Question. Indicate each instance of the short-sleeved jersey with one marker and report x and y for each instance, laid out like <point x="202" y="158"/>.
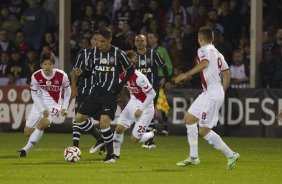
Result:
<point x="85" y="83"/>
<point x="49" y="88"/>
<point x="107" y="66"/>
<point x="138" y="85"/>
<point x="148" y="64"/>
<point x="211" y="76"/>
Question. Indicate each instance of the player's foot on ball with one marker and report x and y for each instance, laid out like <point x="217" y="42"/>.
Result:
<point x="22" y="153"/>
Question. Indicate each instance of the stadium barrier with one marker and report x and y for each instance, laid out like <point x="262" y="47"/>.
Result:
<point x="246" y="112"/>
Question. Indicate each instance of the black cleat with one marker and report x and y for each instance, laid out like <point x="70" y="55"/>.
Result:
<point x="97" y="146"/>
<point x="102" y="150"/>
<point x="110" y="159"/>
<point x="22" y="153"/>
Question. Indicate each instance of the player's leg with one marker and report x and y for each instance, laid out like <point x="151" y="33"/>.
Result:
<point x="208" y="120"/>
<point x="118" y="138"/>
<point x="150" y="144"/>
<point x="138" y="132"/>
<point x="35" y="136"/>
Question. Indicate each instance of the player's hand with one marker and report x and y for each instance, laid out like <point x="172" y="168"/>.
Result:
<point x="138" y="113"/>
<point x="77" y="71"/>
<point x="45" y="113"/>
<point x="279" y="116"/>
<point x="167" y="85"/>
<point x="64" y="112"/>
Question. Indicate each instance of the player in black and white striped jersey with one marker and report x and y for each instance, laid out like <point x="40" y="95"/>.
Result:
<point x="148" y="62"/>
<point x="82" y="81"/>
<point x="106" y="62"/>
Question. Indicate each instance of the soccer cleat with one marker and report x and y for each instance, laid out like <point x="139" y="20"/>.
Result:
<point x="149" y="145"/>
<point x="116" y="156"/>
<point x="110" y="159"/>
<point x="102" y="150"/>
<point x="232" y="161"/>
<point x="97" y="146"/>
<point x="22" y="153"/>
<point x="189" y="161"/>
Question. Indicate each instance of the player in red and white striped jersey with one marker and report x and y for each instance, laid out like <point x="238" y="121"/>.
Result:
<point x="46" y="87"/>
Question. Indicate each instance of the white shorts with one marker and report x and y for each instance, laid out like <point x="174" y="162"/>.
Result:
<point x="127" y="118"/>
<point x="206" y="109"/>
<point x="35" y="115"/>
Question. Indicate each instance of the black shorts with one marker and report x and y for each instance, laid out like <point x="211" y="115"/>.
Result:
<point x="99" y="103"/>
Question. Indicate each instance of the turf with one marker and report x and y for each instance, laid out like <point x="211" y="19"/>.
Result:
<point x="260" y="162"/>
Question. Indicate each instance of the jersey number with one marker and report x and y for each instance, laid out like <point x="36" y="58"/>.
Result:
<point x="54" y="112"/>
<point x="219" y="65"/>
<point x="141" y="129"/>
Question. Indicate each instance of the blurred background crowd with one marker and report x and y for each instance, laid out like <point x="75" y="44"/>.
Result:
<point x="29" y="28"/>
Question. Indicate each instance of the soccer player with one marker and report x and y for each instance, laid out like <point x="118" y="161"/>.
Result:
<point x="147" y="63"/>
<point x="46" y="88"/>
<point x="139" y="109"/>
<point x="162" y="104"/>
<point x="85" y="80"/>
<point x="205" y="109"/>
<point x="106" y="62"/>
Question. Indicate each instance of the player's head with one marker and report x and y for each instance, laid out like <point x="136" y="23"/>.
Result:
<point x="94" y="39"/>
<point x="47" y="62"/>
<point x="132" y="56"/>
<point x="140" y="42"/>
<point x="205" y="36"/>
<point x="104" y="38"/>
<point x="152" y="39"/>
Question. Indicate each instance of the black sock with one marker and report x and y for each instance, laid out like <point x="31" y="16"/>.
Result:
<point x="76" y="131"/>
<point x="164" y="121"/>
<point x="108" y="139"/>
<point x="89" y="127"/>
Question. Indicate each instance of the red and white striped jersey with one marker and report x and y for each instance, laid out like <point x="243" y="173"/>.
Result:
<point x="211" y="76"/>
<point x="49" y="89"/>
<point x="138" y="86"/>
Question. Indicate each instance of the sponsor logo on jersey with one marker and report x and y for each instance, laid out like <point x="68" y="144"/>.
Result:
<point x="56" y="82"/>
<point x="144" y="70"/>
<point x="105" y="68"/>
<point x="48" y="83"/>
<point x="143" y="62"/>
<point x="103" y="61"/>
<point x="112" y="60"/>
<point x="50" y="88"/>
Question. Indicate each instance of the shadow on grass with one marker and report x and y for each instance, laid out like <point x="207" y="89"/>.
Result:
<point x="8" y="156"/>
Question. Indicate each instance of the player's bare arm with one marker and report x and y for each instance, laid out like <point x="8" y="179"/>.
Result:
<point x="74" y="78"/>
<point x="64" y="112"/>
<point x="225" y="79"/>
<point x="188" y="75"/>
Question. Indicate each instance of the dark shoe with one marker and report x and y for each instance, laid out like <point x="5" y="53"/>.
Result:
<point x="22" y="153"/>
<point x="150" y="144"/>
<point x="110" y="159"/>
<point x="102" y="150"/>
<point x="97" y="146"/>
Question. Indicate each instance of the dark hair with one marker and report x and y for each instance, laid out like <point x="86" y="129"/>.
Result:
<point x="207" y="33"/>
<point x="105" y="32"/>
<point x="48" y="56"/>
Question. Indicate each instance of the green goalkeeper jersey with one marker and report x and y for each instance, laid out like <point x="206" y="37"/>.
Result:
<point x="164" y="55"/>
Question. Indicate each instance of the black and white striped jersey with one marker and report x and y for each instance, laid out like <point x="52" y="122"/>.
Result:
<point x="85" y="81"/>
<point x="107" y="66"/>
<point x="148" y="64"/>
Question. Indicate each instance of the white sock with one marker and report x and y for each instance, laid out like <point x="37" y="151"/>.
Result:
<point x="217" y="142"/>
<point x="33" y="139"/>
<point x="146" y="136"/>
<point x="192" y="136"/>
<point x="118" y="140"/>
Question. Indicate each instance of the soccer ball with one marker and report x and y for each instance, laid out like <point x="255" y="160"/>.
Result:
<point x="72" y="154"/>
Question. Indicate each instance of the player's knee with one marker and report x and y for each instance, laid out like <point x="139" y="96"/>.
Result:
<point x="79" y="118"/>
<point x="203" y="131"/>
<point x="189" y="118"/>
<point x="105" y="121"/>
<point x="43" y="123"/>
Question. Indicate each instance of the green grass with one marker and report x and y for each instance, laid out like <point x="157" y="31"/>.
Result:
<point x="260" y="162"/>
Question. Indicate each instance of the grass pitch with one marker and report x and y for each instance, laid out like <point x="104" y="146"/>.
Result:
<point x="260" y="162"/>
